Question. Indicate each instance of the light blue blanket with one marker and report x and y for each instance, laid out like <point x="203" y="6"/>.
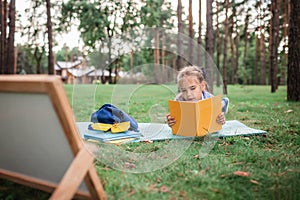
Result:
<point x="151" y="131"/>
<point x="155" y="131"/>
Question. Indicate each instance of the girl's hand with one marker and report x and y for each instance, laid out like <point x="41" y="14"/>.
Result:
<point x="171" y="121"/>
<point x="221" y="119"/>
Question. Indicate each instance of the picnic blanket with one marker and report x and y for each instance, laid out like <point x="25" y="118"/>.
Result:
<point x="163" y="131"/>
<point x="157" y="131"/>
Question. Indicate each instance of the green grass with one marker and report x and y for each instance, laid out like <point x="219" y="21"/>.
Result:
<point x="272" y="160"/>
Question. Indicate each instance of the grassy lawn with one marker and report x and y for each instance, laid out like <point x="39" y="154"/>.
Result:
<point x="271" y="161"/>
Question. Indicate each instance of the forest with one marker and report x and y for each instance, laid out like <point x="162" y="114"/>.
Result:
<point x="239" y="42"/>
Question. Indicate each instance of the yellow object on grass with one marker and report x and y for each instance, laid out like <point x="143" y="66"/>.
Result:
<point x="114" y="128"/>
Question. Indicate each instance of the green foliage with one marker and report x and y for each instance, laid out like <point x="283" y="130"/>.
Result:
<point x="26" y="61"/>
<point x="98" y="60"/>
<point x="98" y="20"/>
<point x="92" y="18"/>
<point x="157" y="14"/>
<point x="72" y="55"/>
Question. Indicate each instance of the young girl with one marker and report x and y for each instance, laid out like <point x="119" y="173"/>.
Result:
<point x="192" y="87"/>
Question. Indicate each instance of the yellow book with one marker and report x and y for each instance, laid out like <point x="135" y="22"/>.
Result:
<point x="196" y="118"/>
<point x="114" y="128"/>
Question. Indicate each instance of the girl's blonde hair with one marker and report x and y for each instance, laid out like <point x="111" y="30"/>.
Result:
<point x="190" y="71"/>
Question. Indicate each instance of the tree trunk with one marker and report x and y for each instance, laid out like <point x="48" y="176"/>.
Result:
<point x="199" y="57"/>
<point x="209" y="45"/>
<point x="293" y="80"/>
<point x="50" y="40"/>
<point x="237" y="54"/>
<point x="3" y="64"/>
<point x="232" y="54"/>
<point x="131" y="64"/>
<point x="225" y="48"/>
<point x="256" y="66"/>
<point x="38" y="57"/>
<point x="156" y="56"/>
<point x="285" y="40"/>
<point x="11" y="67"/>
<point x="163" y="61"/>
<point x="218" y="46"/>
<point x="191" y="33"/>
<point x="262" y="60"/>
<point x="1" y="39"/>
<point x="246" y="39"/>
<point x="110" y="81"/>
<point x="274" y="46"/>
<point x="179" y="61"/>
<point x="270" y="46"/>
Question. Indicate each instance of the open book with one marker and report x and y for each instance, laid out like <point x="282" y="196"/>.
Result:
<point x="196" y="118"/>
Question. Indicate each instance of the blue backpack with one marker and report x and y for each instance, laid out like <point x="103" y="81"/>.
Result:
<point x="110" y="114"/>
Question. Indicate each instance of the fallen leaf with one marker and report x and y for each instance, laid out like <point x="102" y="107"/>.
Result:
<point x="151" y="187"/>
<point x="182" y="193"/>
<point x="131" y="193"/>
<point x="158" y="180"/>
<point x="254" y="181"/>
<point x="225" y="144"/>
<point x="223" y="175"/>
<point x="215" y="190"/>
<point x="241" y="173"/>
<point x="164" y="189"/>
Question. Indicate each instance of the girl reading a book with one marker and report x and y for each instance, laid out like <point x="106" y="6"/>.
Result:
<point x="193" y="87"/>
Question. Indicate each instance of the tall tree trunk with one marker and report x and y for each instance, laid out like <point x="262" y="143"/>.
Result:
<point x="237" y="53"/>
<point x="109" y="58"/>
<point x="38" y="58"/>
<point x="131" y="64"/>
<point x="225" y="47"/>
<point x="164" y="77"/>
<point x="218" y="46"/>
<point x="156" y="55"/>
<point x="162" y="48"/>
<point x="179" y="61"/>
<point x="50" y="40"/>
<point x="232" y="55"/>
<point x="257" y="43"/>
<point x="191" y="33"/>
<point x="270" y="45"/>
<point x="199" y="57"/>
<point x="246" y="39"/>
<point x="262" y="74"/>
<point x="209" y="45"/>
<point x="262" y="60"/>
<point x="11" y="66"/>
<point x="274" y="46"/>
<point x="285" y="40"/>
<point x="257" y="64"/>
<point x="293" y="80"/>
<point x="3" y="37"/>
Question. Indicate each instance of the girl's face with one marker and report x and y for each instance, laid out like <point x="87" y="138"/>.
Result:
<point x="191" y="89"/>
